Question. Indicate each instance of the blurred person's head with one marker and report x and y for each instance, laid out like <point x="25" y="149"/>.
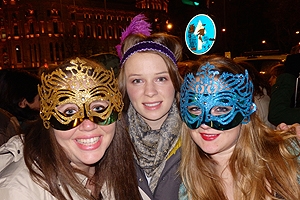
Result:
<point x="275" y="72"/>
<point x="295" y="49"/>
<point x="18" y="94"/>
<point x="258" y="81"/>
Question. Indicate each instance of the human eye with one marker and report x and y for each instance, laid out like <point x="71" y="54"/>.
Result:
<point x="68" y="109"/>
<point x="220" y="110"/>
<point x="99" y="106"/>
<point x="136" y="81"/>
<point x="195" y="110"/>
<point x="161" y="79"/>
<point x="70" y="112"/>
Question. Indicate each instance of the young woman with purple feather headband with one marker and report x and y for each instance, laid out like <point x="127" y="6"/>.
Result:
<point x="150" y="83"/>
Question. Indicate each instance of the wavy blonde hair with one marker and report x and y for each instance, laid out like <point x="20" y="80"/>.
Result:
<point x="263" y="163"/>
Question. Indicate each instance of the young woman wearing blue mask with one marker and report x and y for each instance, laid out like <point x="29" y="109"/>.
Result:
<point x="225" y="147"/>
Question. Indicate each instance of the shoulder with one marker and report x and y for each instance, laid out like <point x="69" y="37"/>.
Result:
<point x="11" y="151"/>
<point x="16" y="182"/>
<point x="15" y="179"/>
<point x="9" y="126"/>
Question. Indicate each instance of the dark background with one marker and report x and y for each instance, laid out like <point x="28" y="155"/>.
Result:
<point x="247" y="23"/>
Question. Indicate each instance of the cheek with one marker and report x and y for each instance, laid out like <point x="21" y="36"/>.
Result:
<point x="133" y="92"/>
<point x="109" y="129"/>
<point x="63" y="135"/>
<point x="195" y="135"/>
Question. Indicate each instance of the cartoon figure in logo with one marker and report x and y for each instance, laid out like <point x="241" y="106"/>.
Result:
<point x="200" y="32"/>
<point x="192" y="37"/>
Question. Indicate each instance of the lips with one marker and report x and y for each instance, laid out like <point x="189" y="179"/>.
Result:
<point x="152" y="106"/>
<point x="88" y="144"/>
<point x="89" y="141"/>
<point x="209" y="137"/>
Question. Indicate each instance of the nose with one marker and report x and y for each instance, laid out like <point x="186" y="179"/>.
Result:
<point x="150" y="89"/>
<point x="204" y="126"/>
<point x="87" y="125"/>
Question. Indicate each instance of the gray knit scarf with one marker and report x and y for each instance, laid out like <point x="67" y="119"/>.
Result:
<point x="153" y="146"/>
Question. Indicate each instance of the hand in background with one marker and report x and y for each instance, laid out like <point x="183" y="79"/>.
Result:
<point x="284" y="127"/>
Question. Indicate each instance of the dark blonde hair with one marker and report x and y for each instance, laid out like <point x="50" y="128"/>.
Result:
<point x="263" y="163"/>
<point x="171" y="42"/>
<point x="115" y="170"/>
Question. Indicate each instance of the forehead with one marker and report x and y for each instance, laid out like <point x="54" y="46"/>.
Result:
<point x="144" y="60"/>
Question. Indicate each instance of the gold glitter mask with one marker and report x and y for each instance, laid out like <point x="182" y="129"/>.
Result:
<point x="83" y="86"/>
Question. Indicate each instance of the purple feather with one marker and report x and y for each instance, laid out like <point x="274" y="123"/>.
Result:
<point x="137" y="25"/>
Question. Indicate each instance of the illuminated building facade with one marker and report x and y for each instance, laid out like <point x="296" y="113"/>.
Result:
<point x="34" y="33"/>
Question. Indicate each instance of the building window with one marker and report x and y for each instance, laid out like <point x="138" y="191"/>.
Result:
<point x="35" y="53"/>
<point x="18" y="54"/>
<point x="110" y="32"/>
<point x="88" y="30"/>
<point x="31" y="28"/>
<point x="16" y="30"/>
<point x="3" y="34"/>
<point x="73" y="16"/>
<point x="63" y="51"/>
<point x="120" y="30"/>
<point x="74" y="32"/>
<point x="14" y="16"/>
<point x="1" y="22"/>
<point x="51" y="52"/>
<point x="57" y="51"/>
<point x="99" y="31"/>
<point x="30" y="54"/>
<point x="55" y="28"/>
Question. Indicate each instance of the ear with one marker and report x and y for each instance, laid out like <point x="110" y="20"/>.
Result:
<point x="23" y="103"/>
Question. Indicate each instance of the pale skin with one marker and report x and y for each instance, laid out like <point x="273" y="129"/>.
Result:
<point x="86" y="143"/>
<point x="149" y="87"/>
<point x="285" y="127"/>
<point x="219" y="144"/>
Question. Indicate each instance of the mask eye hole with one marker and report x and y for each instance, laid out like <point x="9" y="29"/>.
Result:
<point x="68" y="109"/>
<point x="99" y="106"/>
<point x="220" y="110"/>
<point x="195" y="110"/>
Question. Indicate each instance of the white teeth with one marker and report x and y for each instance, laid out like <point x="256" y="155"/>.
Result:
<point x="89" y="141"/>
<point x="152" y="104"/>
<point x="209" y="135"/>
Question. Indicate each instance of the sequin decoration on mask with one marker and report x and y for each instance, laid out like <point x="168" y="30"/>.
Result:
<point x="221" y="101"/>
<point x="81" y="85"/>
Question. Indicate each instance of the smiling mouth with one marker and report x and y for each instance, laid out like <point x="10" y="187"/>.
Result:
<point x="89" y="141"/>
<point x="152" y="104"/>
<point x="209" y="137"/>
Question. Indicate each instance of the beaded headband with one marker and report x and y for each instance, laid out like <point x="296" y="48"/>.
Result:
<point x="148" y="46"/>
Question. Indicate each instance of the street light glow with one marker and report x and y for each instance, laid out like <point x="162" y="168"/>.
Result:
<point x="169" y="26"/>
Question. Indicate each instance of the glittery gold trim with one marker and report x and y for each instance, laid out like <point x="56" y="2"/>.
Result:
<point x="78" y="84"/>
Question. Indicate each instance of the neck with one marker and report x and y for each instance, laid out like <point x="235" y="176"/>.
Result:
<point x="224" y="172"/>
<point x="90" y="170"/>
<point x="156" y="124"/>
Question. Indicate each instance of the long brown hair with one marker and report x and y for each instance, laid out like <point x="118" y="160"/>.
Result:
<point x="263" y="163"/>
<point x="50" y="167"/>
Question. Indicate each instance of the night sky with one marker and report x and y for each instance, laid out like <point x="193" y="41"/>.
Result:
<point x="247" y="23"/>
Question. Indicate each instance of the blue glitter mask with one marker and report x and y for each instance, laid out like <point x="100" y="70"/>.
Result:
<point x="219" y="101"/>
